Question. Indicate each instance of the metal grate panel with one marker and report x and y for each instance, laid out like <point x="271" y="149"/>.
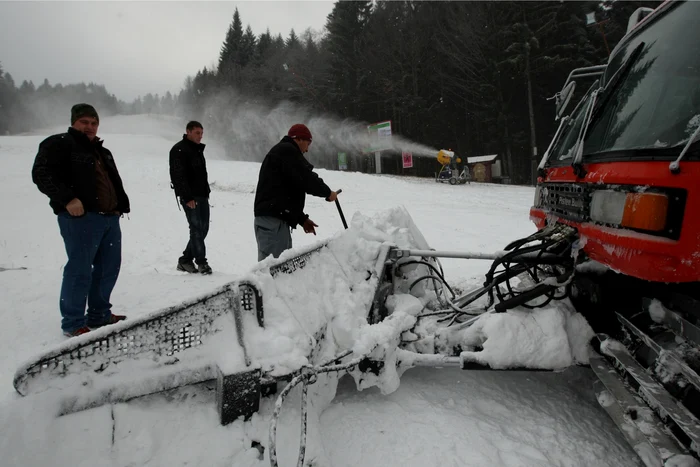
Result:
<point x="292" y="264"/>
<point x="164" y="334"/>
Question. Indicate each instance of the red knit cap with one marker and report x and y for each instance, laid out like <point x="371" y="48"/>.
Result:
<point x="299" y="131"/>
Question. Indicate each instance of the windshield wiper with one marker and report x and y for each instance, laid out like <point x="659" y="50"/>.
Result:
<point x="579" y="171"/>
<point x="552" y="144"/>
<point x="675" y="166"/>
<point x="614" y="83"/>
<point x="594" y="108"/>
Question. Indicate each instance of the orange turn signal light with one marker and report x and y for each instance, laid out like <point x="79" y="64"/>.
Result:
<point x="645" y="211"/>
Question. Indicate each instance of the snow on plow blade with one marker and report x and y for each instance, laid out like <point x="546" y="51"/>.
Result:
<point x="374" y="294"/>
<point x="152" y="353"/>
<point x="174" y="347"/>
<point x="227" y="335"/>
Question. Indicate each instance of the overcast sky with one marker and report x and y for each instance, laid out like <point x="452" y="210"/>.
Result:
<point x="134" y="47"/>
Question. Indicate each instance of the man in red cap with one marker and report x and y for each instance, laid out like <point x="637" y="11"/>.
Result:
<point x="284" y="180"/>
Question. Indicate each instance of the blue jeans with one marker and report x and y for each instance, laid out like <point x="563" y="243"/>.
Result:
<point x="198" y="220"/>
<point x="94" y="248"/>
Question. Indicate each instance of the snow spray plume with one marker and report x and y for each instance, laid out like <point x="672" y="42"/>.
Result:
<point x="48" y="109"/>
<point x="249" y="129"/>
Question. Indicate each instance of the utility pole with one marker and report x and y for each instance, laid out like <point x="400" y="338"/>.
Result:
<point x="531" y="109"/>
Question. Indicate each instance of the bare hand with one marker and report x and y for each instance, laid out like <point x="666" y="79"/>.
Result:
<point x="75" y="207"/>
<point x="191" y="204"/>
<point x="309" y="226"/>
<point x="332" y="197"/>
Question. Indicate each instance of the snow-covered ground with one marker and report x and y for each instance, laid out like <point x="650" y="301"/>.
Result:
<point x="435" y="417"/>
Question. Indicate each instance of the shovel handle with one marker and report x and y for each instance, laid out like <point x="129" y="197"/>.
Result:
<point x="340" y="211"/>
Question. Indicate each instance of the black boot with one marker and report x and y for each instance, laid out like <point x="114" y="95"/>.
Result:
<point x="186" y="266"/>
<point x="204" y="268"/>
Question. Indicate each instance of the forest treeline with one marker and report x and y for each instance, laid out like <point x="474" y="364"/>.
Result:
<point x="477" y="77"/>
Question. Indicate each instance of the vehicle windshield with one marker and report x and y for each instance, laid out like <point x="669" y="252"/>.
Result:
<point x="655" y="103"/>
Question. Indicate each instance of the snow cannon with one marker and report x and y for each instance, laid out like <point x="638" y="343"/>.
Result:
<point x="449" y="171"/>
<point x="445" y="156"/>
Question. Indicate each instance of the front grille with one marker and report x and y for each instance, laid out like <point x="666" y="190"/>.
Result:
<point x="567" y="200"/>
<point x="572" y="201"/>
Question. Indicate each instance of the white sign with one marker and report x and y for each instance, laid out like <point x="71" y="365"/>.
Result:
<point x="590" y="18"/>
<point x="380" y="136"/>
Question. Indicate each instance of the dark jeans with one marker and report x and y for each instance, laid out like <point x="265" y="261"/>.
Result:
<point x="94" y="248"/>
<point x="198" y="219"/>
<point x="273" y="236"/>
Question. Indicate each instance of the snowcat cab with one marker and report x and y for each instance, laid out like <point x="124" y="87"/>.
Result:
<point x="623" y="170"/>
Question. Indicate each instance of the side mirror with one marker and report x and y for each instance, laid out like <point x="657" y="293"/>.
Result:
<point x="563" y="98"/>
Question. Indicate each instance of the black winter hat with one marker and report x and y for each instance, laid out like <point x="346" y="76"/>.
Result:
<point x="82" y="110"/>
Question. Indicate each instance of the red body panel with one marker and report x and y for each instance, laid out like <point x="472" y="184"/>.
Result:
<point x="639" y="255"/>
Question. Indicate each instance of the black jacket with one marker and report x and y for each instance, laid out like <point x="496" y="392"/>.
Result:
<point x="64" y="168"/>
<point x="188" y="170"/>
<point x="285" y="179"/>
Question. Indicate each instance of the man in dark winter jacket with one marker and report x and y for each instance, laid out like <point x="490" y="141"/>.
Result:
<point x="188" y="173"/>
<point x="285" y="179"/>
<point x="79" y="176"/>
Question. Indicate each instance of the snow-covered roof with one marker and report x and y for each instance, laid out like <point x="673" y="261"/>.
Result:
<point x="477" y="159"/>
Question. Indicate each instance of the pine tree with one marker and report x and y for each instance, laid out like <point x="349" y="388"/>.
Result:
<point x="10" y="82"/>
<point x="248" y="47"/>
<point x="167" y="104"/>
<point x="264" y="46"/>
<point x="292" y="43"/>
<point x="346" y="26"/>
<point x="230" y="57"/>
<point x="27" y="88"/>
<point x="278" y="43"/>
<point x="5" y="99"/>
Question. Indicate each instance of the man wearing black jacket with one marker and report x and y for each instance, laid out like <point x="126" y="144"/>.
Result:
<point x="79" y="176"/>
<point x="285" y="179"/>
<point x="188" y="174"/>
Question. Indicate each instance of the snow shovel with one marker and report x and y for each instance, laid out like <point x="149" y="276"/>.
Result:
<point x="340" y="211"/>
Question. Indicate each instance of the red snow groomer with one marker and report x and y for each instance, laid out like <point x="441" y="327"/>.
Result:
<point x="623" y="170"/>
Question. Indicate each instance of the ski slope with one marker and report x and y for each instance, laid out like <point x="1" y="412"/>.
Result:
<point x="436" y="417"/>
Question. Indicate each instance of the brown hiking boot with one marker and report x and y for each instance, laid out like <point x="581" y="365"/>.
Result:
<point x="112" y="320"/>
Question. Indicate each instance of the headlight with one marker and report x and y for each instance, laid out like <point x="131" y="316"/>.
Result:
<point x="537" y="202"/>
<point x="643" y="211"/>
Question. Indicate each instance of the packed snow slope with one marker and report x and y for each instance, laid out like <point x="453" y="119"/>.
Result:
<point x="434" y="418"/>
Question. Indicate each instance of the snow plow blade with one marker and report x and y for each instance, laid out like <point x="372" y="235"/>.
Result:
<point x="358" y="279"/>
<point x="174" y="347"/>
<point x="150" y="354"/>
